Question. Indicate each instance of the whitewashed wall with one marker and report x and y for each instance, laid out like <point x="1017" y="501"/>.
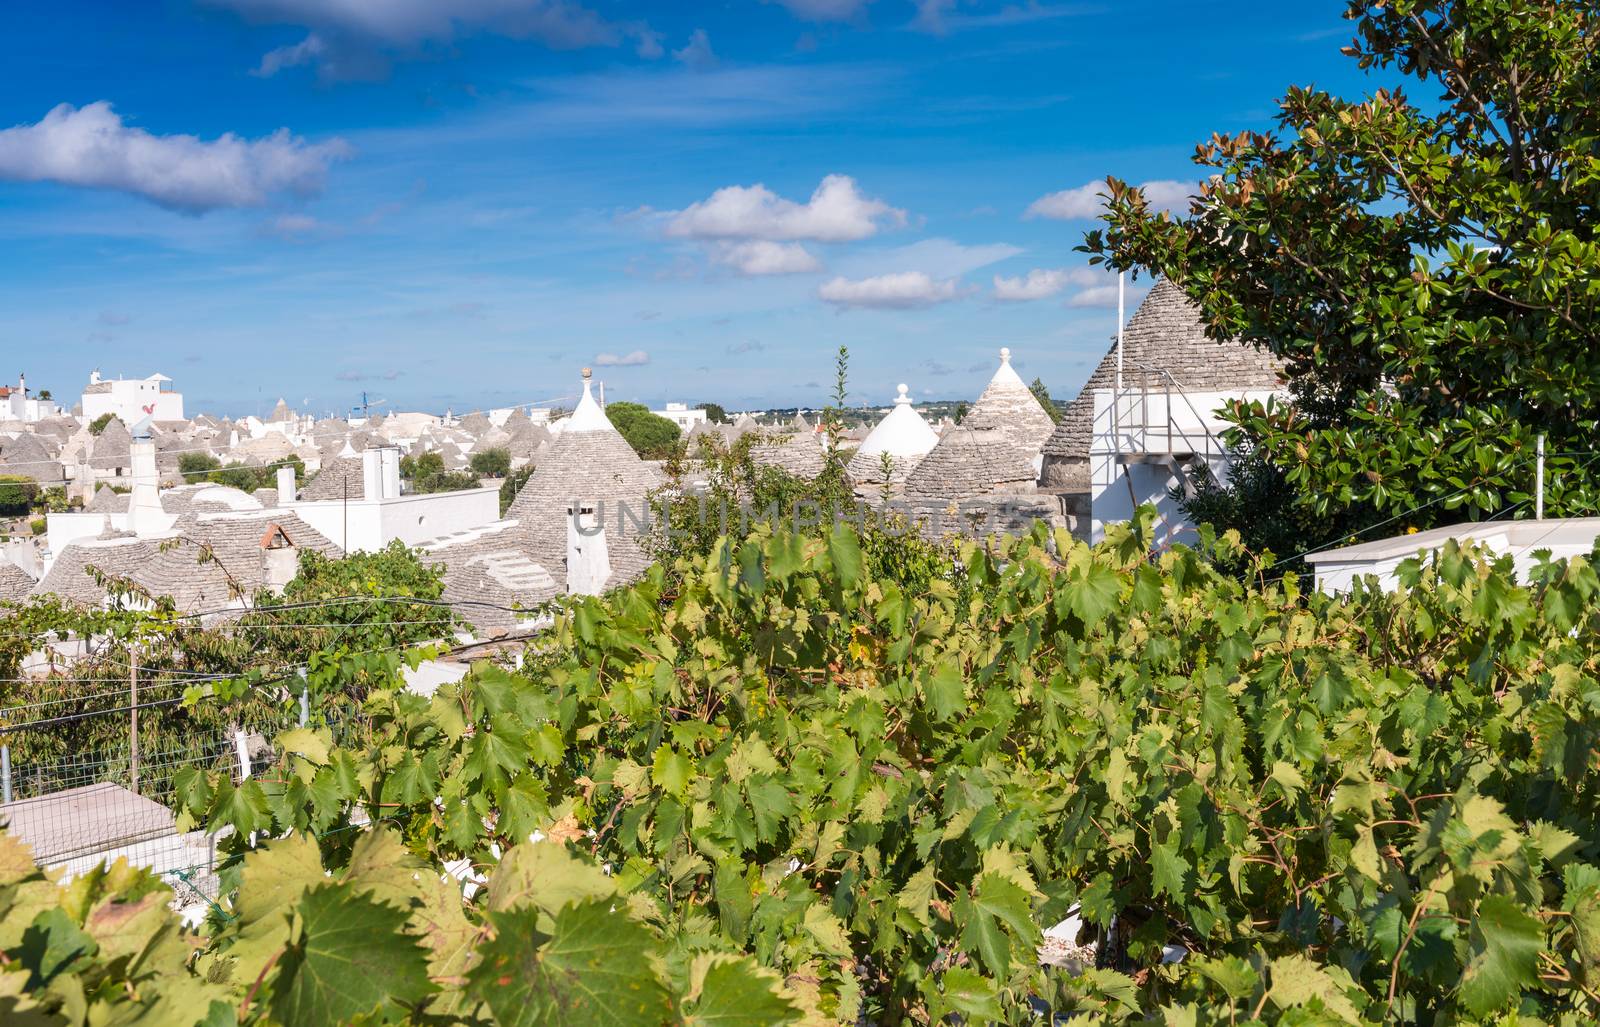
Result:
<point x="1116" y="489"/>
<point x="363" y="525"/>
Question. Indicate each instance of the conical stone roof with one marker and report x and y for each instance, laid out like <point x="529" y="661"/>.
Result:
<point x="60" y="427"/>
<point x="972" y="461"/>
<point x="800" y="455"/>
<point x="1166" y="332"/>
<point x="29" y="456"/>
<point x="15" y="584"/>
<point x="340" y="478"/>
<point x="526" y="440"/>
<point x="105" y="500"/>
<point x="1008" y="404"/>
<point x="111" y="448"/>
<point x="588" y="461"/>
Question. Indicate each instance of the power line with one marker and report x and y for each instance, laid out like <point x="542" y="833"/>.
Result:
<point x="89" y="697"/>
<point x="69" y="718"/>
<point x="330" y="602"/>
<point x="1348" y="539"/>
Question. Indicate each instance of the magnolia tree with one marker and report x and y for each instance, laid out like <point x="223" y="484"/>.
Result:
<point x="1426" y="267"/>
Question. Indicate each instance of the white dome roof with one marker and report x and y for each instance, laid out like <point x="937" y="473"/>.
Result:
<point x="901" y="433"/>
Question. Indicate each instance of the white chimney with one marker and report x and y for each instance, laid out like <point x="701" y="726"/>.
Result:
<point x="371" y="474"/>
<point x="588" y="559"/>
<point x="389" y="461"/>
<point x="285" y="485"/>
<point x="280" y="560"/>
<point x="145" y="516"/>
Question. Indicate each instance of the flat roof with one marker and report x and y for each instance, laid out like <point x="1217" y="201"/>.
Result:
<point x="1551" y="533"/>
<point x="83" y="821"/>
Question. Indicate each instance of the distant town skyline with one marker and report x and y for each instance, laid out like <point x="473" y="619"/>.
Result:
<point x="457" y="204"/>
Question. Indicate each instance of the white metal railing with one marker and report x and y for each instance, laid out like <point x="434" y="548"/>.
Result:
<point x="1146" y="421"/>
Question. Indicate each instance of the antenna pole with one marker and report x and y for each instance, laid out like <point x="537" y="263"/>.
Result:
<point x="133" y="717"/>
<point x="1538" y="489"/>
<point x="1122" y="294"/>
<point x="1116" y="395"/>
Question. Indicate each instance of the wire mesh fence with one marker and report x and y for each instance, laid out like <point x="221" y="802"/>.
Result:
<point x="77" y="812"/>
<point x="118" y="799"/>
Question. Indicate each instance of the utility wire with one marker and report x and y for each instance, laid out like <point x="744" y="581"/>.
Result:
<point x="68" y="718"/>
<point x="1348" y="540"/>
<point x="332" y="601"/>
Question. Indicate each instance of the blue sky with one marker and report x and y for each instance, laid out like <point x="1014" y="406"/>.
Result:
<point x="460" y="202"/>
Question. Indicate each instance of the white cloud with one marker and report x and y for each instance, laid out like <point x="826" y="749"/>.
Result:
<point x="900" y="291"/>
<point x="290" y="225"/>
<point x="557" y="22"/>
<point x="824" y="10"/>
<point x="1087" y="201"/>
<point x="938" y="257"/>
<point x="836" y="212"/>
<point x="697" y="52"/>
<point x="930" y="15"/>
<point x="1104" y="297"/>
<point x="942" y="16"/>
<point x="344" y="34"/>
<point x="1041" y="283"/>
<point x="765" y="257"/>
<point x="634" y="359"/>
<point x="1165" y="194"/>
<point x="306" y="51"/>
<point x="92" y="148"/>
<point x="648" y="44"/>
<point x="1038" y="284"/>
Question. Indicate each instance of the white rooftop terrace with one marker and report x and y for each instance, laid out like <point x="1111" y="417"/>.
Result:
<point x="1562" y="537"/>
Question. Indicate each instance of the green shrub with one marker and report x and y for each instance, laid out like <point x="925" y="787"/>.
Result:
<point x="512" y="485"/>
<point x="17" y="494"/>
<point x="491" y="463"/>
<point x="195" y="465"/>
<point x="652" y="437"/>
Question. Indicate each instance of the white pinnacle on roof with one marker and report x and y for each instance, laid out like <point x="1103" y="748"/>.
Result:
<point x="903" y="436"/>
<point x="588" y="416"/>
<point x="902" y="432"/>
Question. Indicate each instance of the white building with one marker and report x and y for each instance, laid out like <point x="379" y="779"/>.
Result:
<point x="1562" y="538"/>
<point x="680" y="415"/>
<point x="368" y="513"/>
<point x="1146" y="443"/>
<point x="132" y="399"/>
<point x="17" y="405"/>
<point x="368" y="510"/>
<point x="1146" y="422"/>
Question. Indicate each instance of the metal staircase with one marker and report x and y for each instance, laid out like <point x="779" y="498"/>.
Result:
<point x="1148" y="429"/>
